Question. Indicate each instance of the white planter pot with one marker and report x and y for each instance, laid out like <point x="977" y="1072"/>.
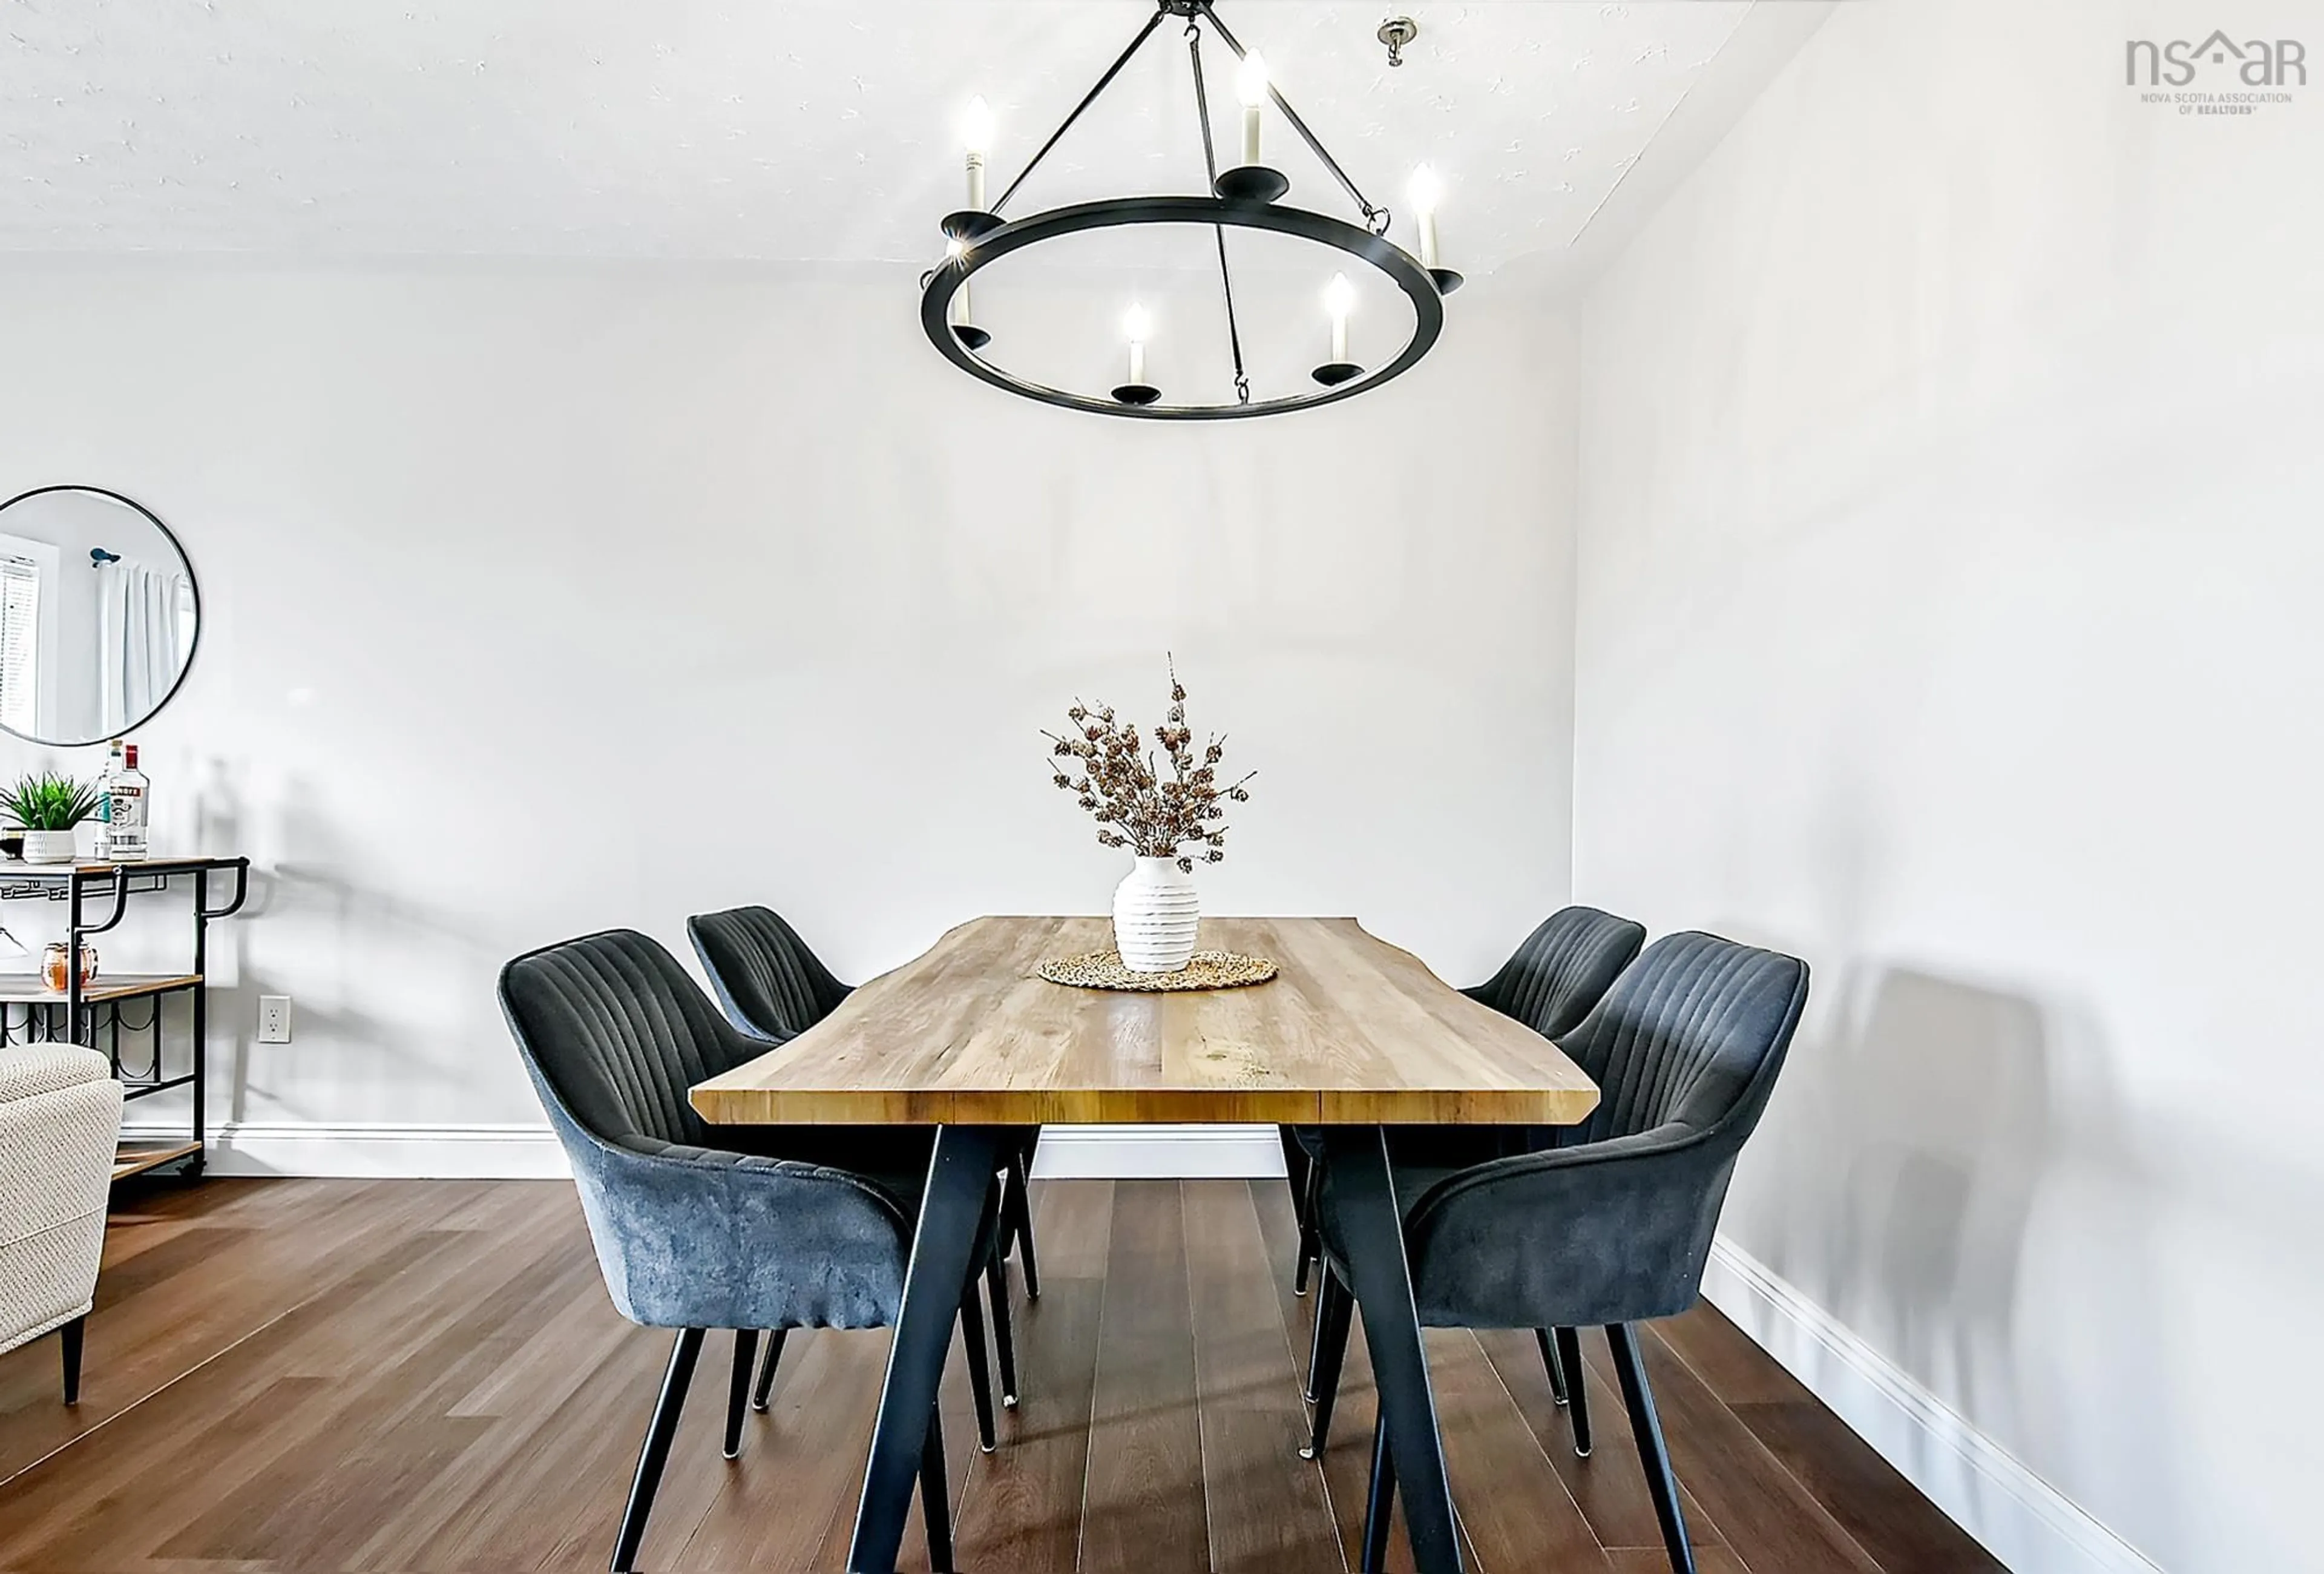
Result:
<point x="49" y="847"/>
<point x="1155" y="915"/>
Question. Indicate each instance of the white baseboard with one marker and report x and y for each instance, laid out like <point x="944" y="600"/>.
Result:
<point x="2021" y="1519"/>
<point x="417" y="1153"/>
<point x="529" y="1152"/>
<point x="1157" y="1153"/>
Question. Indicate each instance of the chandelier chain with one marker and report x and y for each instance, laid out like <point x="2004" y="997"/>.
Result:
<point x="1218" y="231"/>
<point x="1088" y="99"/>
<point x="1375" y="216"/>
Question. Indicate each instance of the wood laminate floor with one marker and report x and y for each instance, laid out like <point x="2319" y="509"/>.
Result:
<point x="404" y="1376"/>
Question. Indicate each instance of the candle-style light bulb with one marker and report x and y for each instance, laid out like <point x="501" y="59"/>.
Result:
<point x="976" y="136"/>
<point x="1425" y="192"/>
<point x="961" y="311"/>
<point x="1339" y="300"/>
<point x="1135" y="326"/>
<point x="1250" y="86"/>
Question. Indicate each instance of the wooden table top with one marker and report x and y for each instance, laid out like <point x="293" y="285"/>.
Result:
<point x="1352" y="1030"/>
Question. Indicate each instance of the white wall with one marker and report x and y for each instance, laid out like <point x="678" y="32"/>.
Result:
<point x="537" y="600"/>
<point x="1950" y="484"/>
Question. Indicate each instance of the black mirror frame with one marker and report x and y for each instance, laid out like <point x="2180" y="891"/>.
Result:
<point x="192" y="578"/>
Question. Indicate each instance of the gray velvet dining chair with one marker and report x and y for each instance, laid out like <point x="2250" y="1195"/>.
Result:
<point x="773" y="987"/>
<point x="691" y="1233"/>
<point x="1549" y="983"/>
<point x="1612" y="1225"/>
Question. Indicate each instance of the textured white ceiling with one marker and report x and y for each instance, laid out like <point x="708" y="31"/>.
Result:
<point x="789" y="129"/>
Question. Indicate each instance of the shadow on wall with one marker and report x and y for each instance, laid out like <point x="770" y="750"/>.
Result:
<point x="1920" y="1157"/>
<point x="306" y="887"/>
<point x="1948" y="1089"/>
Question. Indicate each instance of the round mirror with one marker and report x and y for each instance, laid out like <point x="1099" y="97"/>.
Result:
<point x="99" y="615"/>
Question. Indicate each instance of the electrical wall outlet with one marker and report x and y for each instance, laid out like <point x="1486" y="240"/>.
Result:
<point x="274" y="1019"/>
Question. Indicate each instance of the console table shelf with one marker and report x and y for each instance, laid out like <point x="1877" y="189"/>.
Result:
<point x="137" y="1158"/>
<point x="96" y="897"/>
<point x="107" y="986"/>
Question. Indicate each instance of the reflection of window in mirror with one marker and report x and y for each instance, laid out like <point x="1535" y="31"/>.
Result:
<point x="25" y="645"/>
<point x="20" y="651"/>
<point x="185" y="623"/>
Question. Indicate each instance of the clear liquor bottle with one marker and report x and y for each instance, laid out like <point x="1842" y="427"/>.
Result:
<point x="113" y="767"/>
<point x="125" y="804"/>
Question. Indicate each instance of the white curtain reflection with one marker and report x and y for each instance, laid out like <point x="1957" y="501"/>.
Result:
<point x="142" y="632"/>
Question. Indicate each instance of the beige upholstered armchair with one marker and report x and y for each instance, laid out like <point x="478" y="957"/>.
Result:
<point x="60" y="1116"/>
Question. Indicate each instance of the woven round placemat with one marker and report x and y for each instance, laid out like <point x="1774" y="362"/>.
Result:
<point x="1205" y="971"/>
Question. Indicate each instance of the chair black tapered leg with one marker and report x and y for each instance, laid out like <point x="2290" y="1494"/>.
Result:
<point x="1577" y="1409"/>
<point x="1552" y="1364"/>
<point x="1019" y="1218"/>
<point x="940" y="1271"/>
<point x="766" y="1369"/>
<point x="980" y="1372"/>
<point x="656" y="1453"/>
<point x="1295" y="1172"/>
<point x="1318" y="1334"/>
<point x="1379" y="1503"/>
<point x="1335" y="1308"/>
<point x="1004" y="1333"/>
<point x="70" y="1337"/>
<point x="738" y="1388"/>
<point x="1311" y="1239"/>
<point x="935" y="1496"/>
<point x="1662" y="1485"/>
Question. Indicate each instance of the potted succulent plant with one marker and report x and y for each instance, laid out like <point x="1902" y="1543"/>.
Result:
<point x="48" y="807"/>
<point x="1168" y="811"/>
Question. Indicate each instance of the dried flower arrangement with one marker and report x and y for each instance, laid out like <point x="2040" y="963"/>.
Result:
<point x="1136" y="802"/>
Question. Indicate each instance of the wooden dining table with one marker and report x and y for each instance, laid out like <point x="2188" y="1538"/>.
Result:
<point x="1354" y="1035"/>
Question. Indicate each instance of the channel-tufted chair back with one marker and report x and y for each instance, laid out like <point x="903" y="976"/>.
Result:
<point x="615" y="1029"/>
<point x="1614" y="1222"/>
<point x="1563" y="969"/>
<point x="1690" y="1037"/>
<point x="767" y="979"/>
<point x="690" y="1230"/>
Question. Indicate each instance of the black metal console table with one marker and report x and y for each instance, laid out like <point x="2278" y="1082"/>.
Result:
<point x="78" y="1011"/>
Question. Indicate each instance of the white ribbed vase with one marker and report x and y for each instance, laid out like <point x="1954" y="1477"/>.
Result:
<point x="1155" y="915"/>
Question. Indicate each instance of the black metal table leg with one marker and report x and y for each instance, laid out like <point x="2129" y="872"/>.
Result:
<point x="1378" y="1502"/>
<point x="1372" y="1227"/>
<point x="959" y="1179"/>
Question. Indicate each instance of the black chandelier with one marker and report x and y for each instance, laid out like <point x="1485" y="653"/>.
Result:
<point x="1244" y="197"/>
